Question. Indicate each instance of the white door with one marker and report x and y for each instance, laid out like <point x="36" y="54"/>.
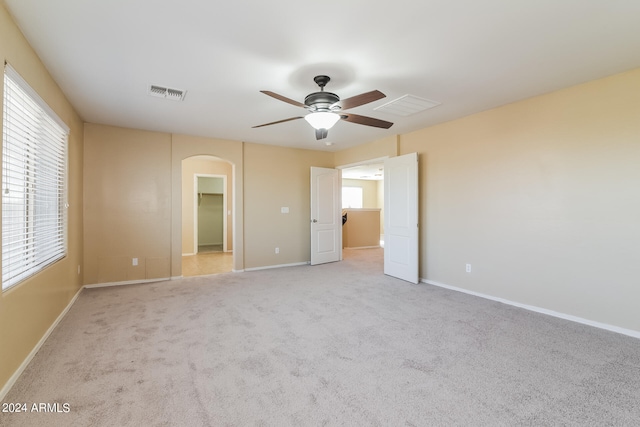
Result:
<point x="401" y="217"/>
<point x="326" y="218"/>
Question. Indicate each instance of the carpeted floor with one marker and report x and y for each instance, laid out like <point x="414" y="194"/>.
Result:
<point x="336" y="344"/>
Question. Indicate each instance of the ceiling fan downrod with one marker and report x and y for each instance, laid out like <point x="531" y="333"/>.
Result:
<point x="321" y="101"/>
<point x="321" y="81"/>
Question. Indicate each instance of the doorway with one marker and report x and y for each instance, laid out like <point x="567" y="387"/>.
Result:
<point x="363" y="206"/>
<point x="207" y="220"/>
<point x="400" y="227"/>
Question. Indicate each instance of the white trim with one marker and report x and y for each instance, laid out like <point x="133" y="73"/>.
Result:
<point x="268" y="267"/>
<point x="188" y="254"/>
<point x="12" y="380"/>
<point x="363" y="247"/>
<point x="237" y="271"/>
<point x="128" y="282"/>
<point x="363" y="162"/>
<point x="612" y="328"/>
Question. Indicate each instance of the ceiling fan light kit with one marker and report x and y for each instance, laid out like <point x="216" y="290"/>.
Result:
<point x="322" y="119"/>
<point x="323" y="107"/>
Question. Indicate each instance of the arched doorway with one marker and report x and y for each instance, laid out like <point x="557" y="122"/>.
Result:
<point x="207" y="215"/>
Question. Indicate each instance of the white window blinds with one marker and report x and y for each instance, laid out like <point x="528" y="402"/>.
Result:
<point x="34" y="169"/>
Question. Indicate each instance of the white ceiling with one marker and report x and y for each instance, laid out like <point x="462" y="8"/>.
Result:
<point x="469" y="55"/>
<point x="368" y="172"/>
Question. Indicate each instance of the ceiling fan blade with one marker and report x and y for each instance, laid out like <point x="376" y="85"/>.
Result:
<point x="364" y="120"/>
<point x="283" y="98"/>
<point x="322" y="133"/>
<point x="358" y="100"/>
<point x="279" y="121"/>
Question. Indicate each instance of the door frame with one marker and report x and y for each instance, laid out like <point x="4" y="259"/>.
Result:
<point x="366" y="162"/>
<point x="381" y="160"/>
<point x="195" y="209"/>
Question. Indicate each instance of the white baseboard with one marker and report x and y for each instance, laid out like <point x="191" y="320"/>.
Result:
<point x="363" y="247"/>
<point x="193" y="253"/>
<point x="128" y="282"/>
<point x="267" y="267"/>
<point x="5" y="389"/>
<point x="629" y="332"/>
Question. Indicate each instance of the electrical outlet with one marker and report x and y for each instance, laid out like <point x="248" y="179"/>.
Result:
<point x="468" y="268"/>
<point x="277" y="250"/>
<point x="284" y="209"/>
<point x="134" y="261"/>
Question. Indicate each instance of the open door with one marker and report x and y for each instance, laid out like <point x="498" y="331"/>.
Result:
<point x="326" y="219"/>
<point x="401" y="217"/>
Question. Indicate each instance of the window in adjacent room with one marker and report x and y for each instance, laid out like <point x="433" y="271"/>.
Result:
<point x="34" y="180"/>
<point x="351" y="197"/>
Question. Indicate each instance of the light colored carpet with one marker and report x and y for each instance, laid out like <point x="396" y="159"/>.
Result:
<point x="336" y="344"/>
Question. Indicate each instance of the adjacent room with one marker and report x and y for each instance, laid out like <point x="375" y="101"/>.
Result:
<point x="207" y="222"/>
<point x="175" y="178"/>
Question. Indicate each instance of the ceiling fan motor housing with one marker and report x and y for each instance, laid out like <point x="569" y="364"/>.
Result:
<point x="321" y="101"/>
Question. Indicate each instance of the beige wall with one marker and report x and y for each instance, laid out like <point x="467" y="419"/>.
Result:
<point x="278" y="177"/>
<point x="372" y="198"/>
<point x="133" y="201"/>
<point x="127" y="209"/>
<point x="362" y="229"/>
<point x="386" y="147"/>
<point x="266" y="178"/>
<point x="541" y="197"/>
<point x="184" y="147"/>
<point x="30" y="308"/>
<point x="208" y="166"/>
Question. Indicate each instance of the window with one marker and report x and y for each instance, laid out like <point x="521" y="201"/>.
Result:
<point x="351" y="197"/>
<point x="34" y="169"/>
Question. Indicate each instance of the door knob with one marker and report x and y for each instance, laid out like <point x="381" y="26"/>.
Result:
<point x="314" y="220"/>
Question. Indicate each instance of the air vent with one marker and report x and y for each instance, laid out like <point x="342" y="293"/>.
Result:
<point x="407" y="105"/>
<point x="167" y="93"/>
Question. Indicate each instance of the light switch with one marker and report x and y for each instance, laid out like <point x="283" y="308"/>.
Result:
<point x="284" y="209"/>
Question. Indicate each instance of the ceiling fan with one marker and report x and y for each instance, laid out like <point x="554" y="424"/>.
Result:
<point x="325" y="108"/>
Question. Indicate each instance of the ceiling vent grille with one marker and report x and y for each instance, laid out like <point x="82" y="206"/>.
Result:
<point x="166" y="93"/>
<point x="407" y="105"/>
